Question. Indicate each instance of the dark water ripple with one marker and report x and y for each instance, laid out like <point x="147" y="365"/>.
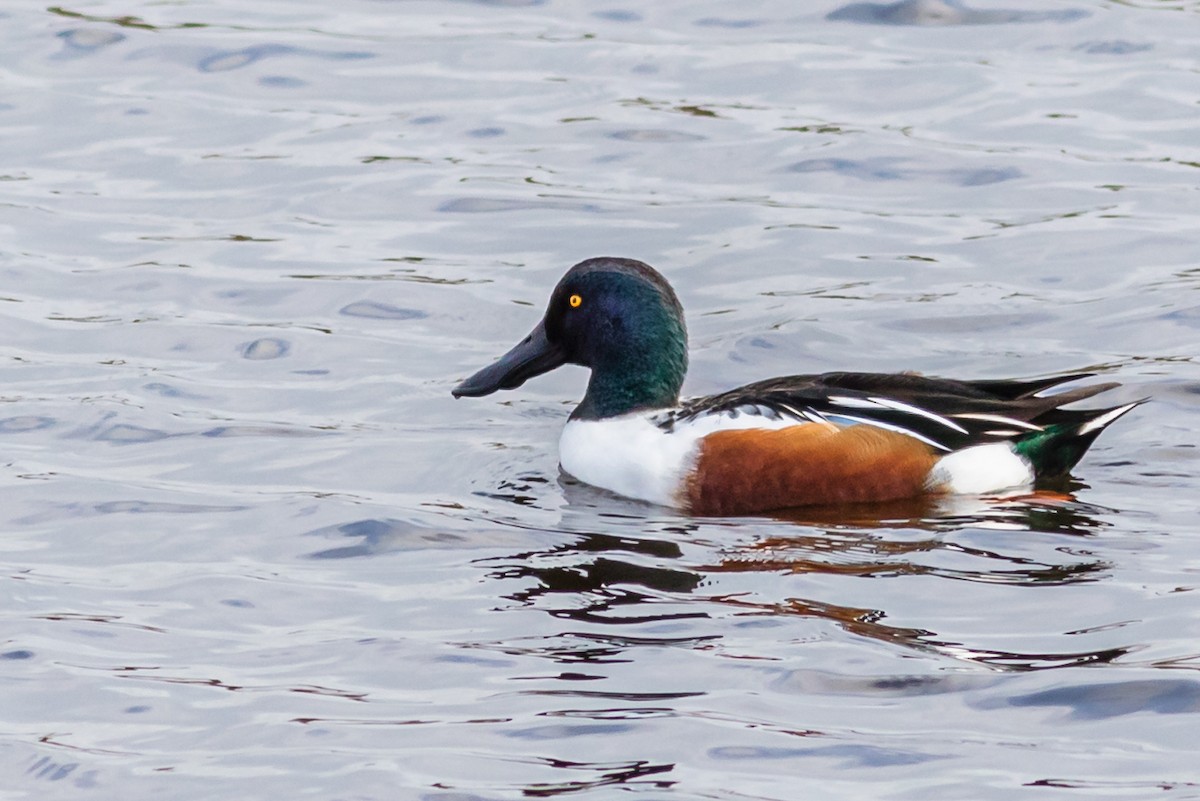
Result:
<point x="946" y="12"/>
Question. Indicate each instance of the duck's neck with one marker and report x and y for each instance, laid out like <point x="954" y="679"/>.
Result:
<point x="640" y="379"/>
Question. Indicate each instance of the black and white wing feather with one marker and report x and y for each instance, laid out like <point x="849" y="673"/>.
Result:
<point x="946" y="414"/>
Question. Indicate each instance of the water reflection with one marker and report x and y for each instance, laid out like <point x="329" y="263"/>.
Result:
<point x="265" y="348"/>
<point x="600" y="588"/>
<point x="581" y="648"/>
<point x="885" y="168"/>
<point x="868" y="623"/>
<point x="945" y="12"/>
<point x="628" y="775"/>
<point x="847" y="756"/>
<point x="83" y="41"/>
<point x="52" y="770"/>
<point x="1042" y="510"/>
<point x="374" y="536"/>
<point x="25" y="423"/>
<point x="1053" y="509"/>
<point x="223" y="61"/>
<point x="599" y="578"/>
<point x="604" y="586"/>
<point x="1099" y="700"/>
<point x="488" y="205"/>
<point x="126" y="21"/>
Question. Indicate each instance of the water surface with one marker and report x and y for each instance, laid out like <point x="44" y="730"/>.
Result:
<point x="253" y="549"/>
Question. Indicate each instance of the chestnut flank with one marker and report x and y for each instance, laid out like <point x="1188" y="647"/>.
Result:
<point x="754" y="470"/>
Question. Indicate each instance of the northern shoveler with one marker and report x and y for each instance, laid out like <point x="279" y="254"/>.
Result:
<point x="783" y="442"/>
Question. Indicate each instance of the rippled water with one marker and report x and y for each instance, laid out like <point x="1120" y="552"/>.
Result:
<point x="252" y="549"/>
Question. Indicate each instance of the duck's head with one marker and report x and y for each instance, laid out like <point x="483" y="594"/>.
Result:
<point x="617" y="316"/>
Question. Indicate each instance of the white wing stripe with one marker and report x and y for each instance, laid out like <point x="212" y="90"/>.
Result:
<point x="815" y="417"/>
<point x="897" y="429"/>
<point x="853" y="403"/>
<point x="796" y="413"/>
<point x="998" y="418"/>
<point x="1105" y="419"/>
<point x="917" y="410"/>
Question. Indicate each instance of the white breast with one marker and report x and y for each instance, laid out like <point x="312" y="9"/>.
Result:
<point x="632" y="456"/>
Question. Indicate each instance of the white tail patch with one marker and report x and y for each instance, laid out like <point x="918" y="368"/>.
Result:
<point x="979" y="470"/>
<point x="1104" y="419"/>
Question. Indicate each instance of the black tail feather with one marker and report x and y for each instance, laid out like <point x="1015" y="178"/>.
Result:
<point x="1053" y="451"/>
<point x="1010" y="389"/>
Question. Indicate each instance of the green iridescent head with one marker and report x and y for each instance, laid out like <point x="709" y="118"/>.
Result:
<point x="618" y="317"/>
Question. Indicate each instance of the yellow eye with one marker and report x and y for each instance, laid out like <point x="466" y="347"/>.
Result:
<point x="575" y="300"/>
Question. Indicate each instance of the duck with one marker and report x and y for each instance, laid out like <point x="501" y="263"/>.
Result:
<point x="793" y="441"/>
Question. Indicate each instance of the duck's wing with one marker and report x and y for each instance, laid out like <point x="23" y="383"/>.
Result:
<point x="944" y="413"/>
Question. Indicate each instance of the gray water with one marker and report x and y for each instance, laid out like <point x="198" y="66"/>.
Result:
<point x="252" y="549"/>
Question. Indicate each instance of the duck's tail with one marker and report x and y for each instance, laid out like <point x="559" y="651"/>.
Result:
<point x="1054" y="450"/>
